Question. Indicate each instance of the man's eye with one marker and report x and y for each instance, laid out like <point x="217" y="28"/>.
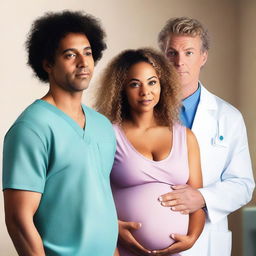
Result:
<point x="189" y="53"/>
<point x="88" y="53"/>
<point x="70" y="56"/>
<point x="171" y="53"/>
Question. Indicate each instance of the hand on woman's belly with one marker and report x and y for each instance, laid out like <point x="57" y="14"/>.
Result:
<point x="140" y="204"/>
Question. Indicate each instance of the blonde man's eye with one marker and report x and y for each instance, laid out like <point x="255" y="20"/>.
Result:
<point x="171" y="54"/>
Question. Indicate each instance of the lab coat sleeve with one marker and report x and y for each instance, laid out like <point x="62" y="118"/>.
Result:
<point x="236" y="183"/>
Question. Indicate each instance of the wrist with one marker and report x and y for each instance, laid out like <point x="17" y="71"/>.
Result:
<point x="203" y="203"/>
<point x="203" y="193"/>
<point x="191" y="239"/>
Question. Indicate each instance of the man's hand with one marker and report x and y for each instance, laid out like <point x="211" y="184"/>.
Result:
<point x="183" y="199"/>
<point x="127" y="239"/>
<point x="183" y="242"/>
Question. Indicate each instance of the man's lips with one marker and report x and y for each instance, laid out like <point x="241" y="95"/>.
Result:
<point x="182" y="72"/>
<point x="84" y="74"/>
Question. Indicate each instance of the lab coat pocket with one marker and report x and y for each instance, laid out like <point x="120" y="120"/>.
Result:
<point x="221" y="138"/>
<point x="219" y="141"/>
<point x="214" y="160"/>
<point x="220" y="242"/>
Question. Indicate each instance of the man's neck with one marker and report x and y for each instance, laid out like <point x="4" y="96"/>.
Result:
<point x="69" y="103"/>
<point x="189" y="90"/>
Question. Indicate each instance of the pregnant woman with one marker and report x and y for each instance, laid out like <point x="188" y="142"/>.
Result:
<point x="139" y="93"/>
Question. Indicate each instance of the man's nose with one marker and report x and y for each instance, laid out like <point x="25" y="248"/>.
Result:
<point x="178" y="60"/>
<point x="82" y="61"/>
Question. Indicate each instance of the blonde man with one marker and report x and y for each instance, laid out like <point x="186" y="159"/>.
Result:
<point x="221" y="133"/>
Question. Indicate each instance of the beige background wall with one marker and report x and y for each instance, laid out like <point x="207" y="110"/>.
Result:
<point x="245" y="94"/>
<point x="129" y="24"/>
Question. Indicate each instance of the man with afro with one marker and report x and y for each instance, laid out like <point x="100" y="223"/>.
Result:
<point x="58" y="154"/>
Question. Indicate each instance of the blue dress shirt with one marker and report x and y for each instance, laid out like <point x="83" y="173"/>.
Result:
<point x="189" y="107"/>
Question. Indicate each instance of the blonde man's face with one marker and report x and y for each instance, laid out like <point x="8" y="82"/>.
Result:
<point x="186" y="55"/>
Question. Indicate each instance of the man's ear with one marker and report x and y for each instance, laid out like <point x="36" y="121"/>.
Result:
<point x="205" y="57"/>
<point x="47" y="66"/>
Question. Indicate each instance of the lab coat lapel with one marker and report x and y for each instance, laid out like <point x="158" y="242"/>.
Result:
<point x="205" y="122"/>
<point x="205" y="128"/>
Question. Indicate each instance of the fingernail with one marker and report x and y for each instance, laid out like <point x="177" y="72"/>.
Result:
<point x="140" y="224"/>
<point x="173" y="208"/>
<point x="172" y="236"/>
<point x="153" y="251"/>
<point x="162" y="203"/>
<point x="160" y="199"/>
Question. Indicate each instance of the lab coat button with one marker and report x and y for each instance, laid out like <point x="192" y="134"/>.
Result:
<point x="221" y="137"/>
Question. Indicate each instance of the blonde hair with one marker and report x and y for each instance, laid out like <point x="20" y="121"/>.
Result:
<point x="111" y="99"/>
<point x="184" y="26"/>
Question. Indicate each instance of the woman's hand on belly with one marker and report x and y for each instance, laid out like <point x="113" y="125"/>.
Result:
<point x="127" y="240"/>
<point x="182" y="243"/>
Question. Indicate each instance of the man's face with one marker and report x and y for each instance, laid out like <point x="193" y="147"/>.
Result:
<point x="185" y="52"/>
<point x="73" y="64"/>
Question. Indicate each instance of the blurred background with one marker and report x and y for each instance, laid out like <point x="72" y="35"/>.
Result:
<point x="229" y="72"/>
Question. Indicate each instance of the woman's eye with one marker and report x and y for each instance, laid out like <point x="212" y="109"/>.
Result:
<point x="152" y="82"/>
<point x="134" y="84"/>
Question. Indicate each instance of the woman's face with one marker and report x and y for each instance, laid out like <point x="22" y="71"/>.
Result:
<point x="142" y="87"/>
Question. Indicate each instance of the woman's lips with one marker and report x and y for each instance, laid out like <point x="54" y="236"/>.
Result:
<point x="145" y="102"/>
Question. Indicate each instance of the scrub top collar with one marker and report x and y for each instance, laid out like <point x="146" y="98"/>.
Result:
<point x="81" y="131"/>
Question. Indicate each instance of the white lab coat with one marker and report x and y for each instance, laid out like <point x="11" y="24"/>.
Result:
<point x="227" y="172"/>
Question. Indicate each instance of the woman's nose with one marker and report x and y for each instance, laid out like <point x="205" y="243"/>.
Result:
<point x="144" y="90"/>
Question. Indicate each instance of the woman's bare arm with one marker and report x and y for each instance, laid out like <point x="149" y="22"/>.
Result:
<point x="197" y="218"/>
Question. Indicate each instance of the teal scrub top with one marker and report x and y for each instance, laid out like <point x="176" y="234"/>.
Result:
<point x="46" y="151"/>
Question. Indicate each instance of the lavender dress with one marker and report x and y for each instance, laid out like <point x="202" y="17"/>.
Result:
<point x="137" y="182"/>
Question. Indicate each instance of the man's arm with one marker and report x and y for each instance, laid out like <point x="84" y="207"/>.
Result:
<point x="235" y="187"/>
<point x="236" y="182"/>
<point x="20" y="207"/>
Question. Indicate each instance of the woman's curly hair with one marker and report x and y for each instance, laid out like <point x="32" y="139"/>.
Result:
<point x="111" y="100"/>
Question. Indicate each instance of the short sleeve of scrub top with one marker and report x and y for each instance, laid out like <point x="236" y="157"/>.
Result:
<point x="24" y="159"/>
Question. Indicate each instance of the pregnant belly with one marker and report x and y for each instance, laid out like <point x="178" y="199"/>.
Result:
<point x="140" y="204"/>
